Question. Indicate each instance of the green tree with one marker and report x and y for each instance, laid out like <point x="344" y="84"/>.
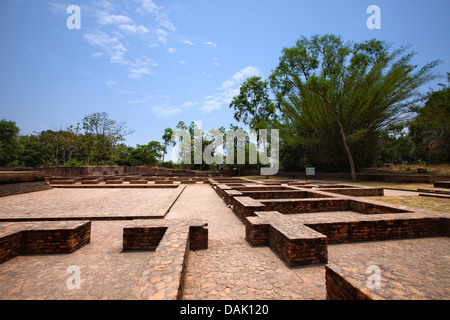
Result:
<point x="430" y="129"/>
<point x="347" y="89"/>
<point x="146" y="154"/>
<point x="9" y="142"/>
<point x="102" y="135"/>
<point x="167" y="138"/>
<point x="253" y="105"/>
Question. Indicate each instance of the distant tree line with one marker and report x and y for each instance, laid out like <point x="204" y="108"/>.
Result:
<point x="97" y="140"/>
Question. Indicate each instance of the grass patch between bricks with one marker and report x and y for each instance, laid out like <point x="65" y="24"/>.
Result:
<point x="434" y="204"/>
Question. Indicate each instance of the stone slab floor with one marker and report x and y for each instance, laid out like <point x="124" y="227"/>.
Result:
<point x="76" y="203"/>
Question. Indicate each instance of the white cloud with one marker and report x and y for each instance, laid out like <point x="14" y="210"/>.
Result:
<point x="164" y="21"/>
<point x="137" y="101"/>
<point x="141" y="67"/>
<point x="183" y="62"/>
<point x="112" y="83"/>
<point x="228" y="90"/>
<point x="133" y="29"/>
<point x="161" y="17"/>
<point x="57" y="8"/>
<point x="161" y="35"/>
<point x="115" y="50"/>
<point x="165" y="111"/>
<point x="106" y="5"/>
<point x="110" y="45"/>
<point x="105" y="19"/>
<point x="189" y="43"/>
<point x="245" y="73"/>
<point x="171" y="50"/>
<point x="216" y="62"/>
<point x="211" y="44"/>
<point x="97" y="55"/>
<point x="189" y="104"/>
<point x="150" y="6"/>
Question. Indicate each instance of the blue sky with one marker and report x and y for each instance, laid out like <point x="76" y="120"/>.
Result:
<point x="154" y="63"/>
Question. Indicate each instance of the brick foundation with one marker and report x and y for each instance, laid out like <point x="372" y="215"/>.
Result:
<point x="301" y="241"/>
<point x="340" y="289"/>
<point x="11" y="189"/>
<point x="172" y="240"/>
<point x="42" y="237"/>
<point x="442" y="184"/>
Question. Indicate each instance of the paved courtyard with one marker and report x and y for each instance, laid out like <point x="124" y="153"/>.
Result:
<point x="229" y="269"/>
<point x="92" y="204"/>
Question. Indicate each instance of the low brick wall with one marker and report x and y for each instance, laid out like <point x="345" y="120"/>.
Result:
<point x="376" y="230"/>
<point x="370" y="207"/>
<point x="138" y="181"/>
<point x="230" y="194"/>
<point x="24" y="187"/>
<point x="245" y="207"/>
<point x="62" y="181"/>
<point x="288" y="206"/>
<point x="90" y="181"/>
<point x="295" y="243"/>
<point x="340" y="289"/>
<point x="42" y="237"/>
<point x="442" y="184"/>
<point x="18" y="182"/>
<point x="188" y="181"/>
<point x="356" y="192"/>
<point x="280" y="194"/>
<point x="302" y="241"/>
<point x="142" y="238"/>
<point x="172" y="240"/>
<point x="20" y="176"/>
<point x="119" y="181"/>
<point x="163" y="182"/>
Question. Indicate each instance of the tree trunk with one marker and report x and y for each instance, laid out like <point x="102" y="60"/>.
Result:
<point x="344" y="140"/>
<point x="347" y="149"/>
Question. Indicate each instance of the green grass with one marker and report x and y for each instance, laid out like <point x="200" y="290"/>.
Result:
<point x="392" y="185"/>
<point x="435" y="204"/>
<point x="387" y="185"/>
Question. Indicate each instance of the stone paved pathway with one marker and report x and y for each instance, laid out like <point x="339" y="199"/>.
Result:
<point x="231" y="268"/>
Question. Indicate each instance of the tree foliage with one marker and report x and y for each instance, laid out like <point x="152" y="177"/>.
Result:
<point x="335" y="100"/>
<point x="430" y="129"/>
<point x="9" y="142"/>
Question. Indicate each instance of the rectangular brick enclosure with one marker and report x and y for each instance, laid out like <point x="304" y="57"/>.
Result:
<point x="42" y="237"/>
<point x="172" y="240"/>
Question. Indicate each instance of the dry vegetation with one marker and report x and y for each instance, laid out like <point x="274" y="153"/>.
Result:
<point x="435" y="204"/>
